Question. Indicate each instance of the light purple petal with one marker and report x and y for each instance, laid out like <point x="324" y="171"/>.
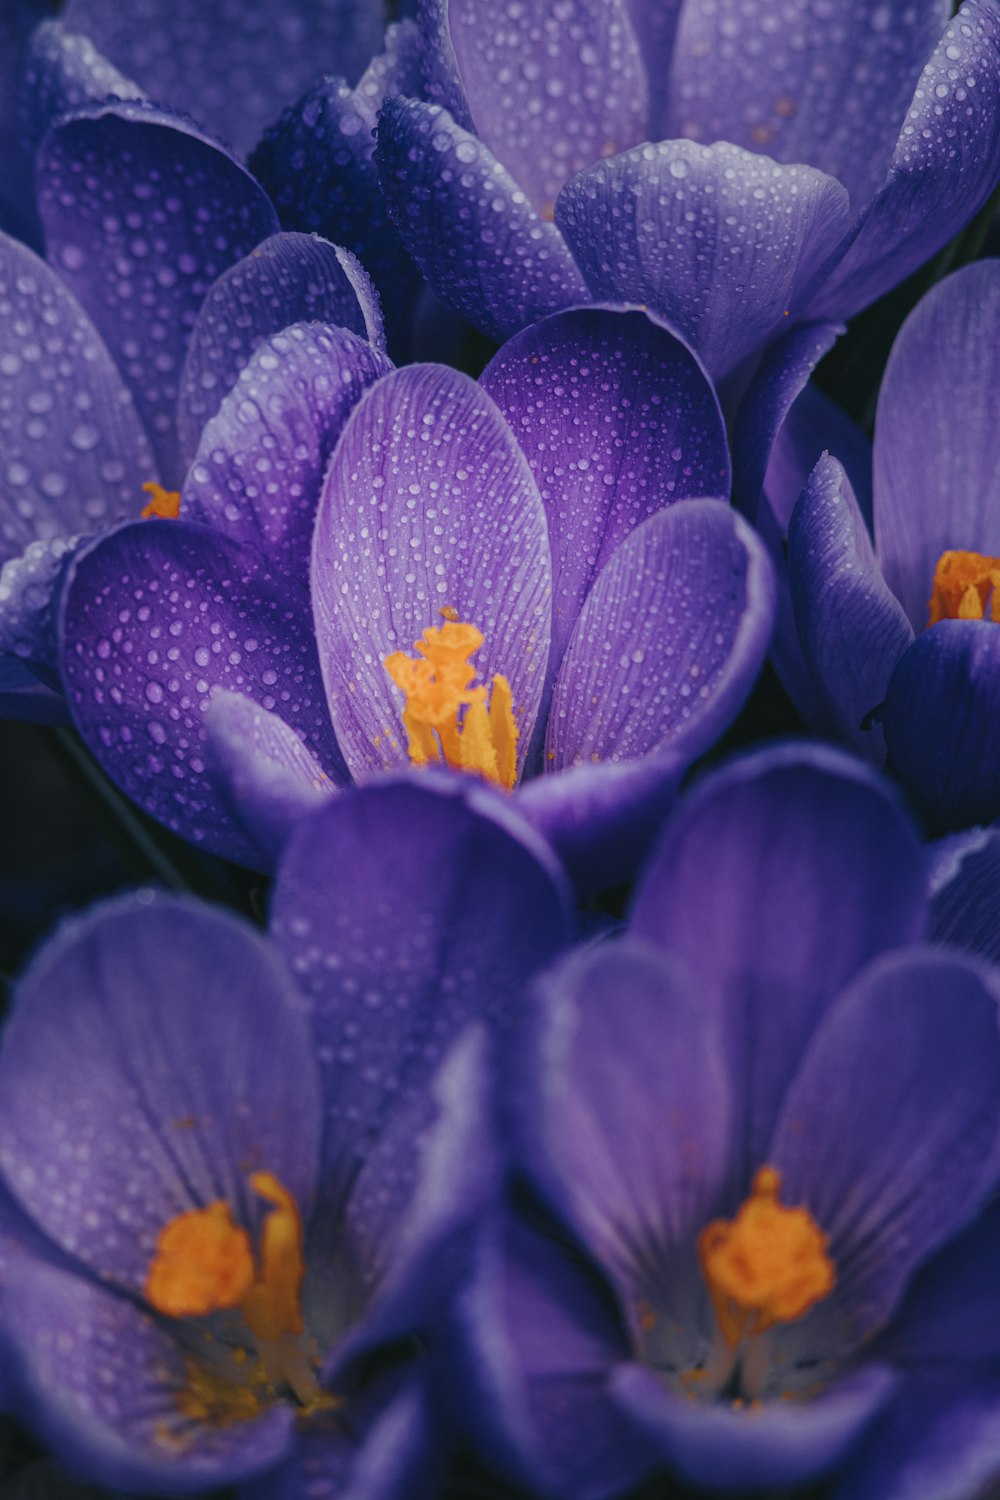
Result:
<point x="156" y="1055"/>
<point x="29" y="600"/>
<point x="943" y="169"/>
<point x="937" y="480"/>
<point x="852" y="629"/>
<point x="825" y="85"/>
<point x="722" y="243"/>
<point x="469" y="226"/>
<point x="669" y="642"/>
<point x="64" y="72"/>
<point x="290" y="278"/>
<point x="75" y="456"/>
<point x="888" y="1133"/>
<point x="141" y="214"/>
<point x="655" y="26"/>
<point x="262" y="771"/>
<point x="813" y="425"/>
<point x="428" y="504"/>
<point x="617" y="420"/>
<point x="259" y="466"/>
<point x="965" y="871"/>
<point x="405" y="910"/>
<point x="775" y="882"/>
<point x="158" y="616"/>
<point x="231" y="65"/>
<point x="550" y="90"/>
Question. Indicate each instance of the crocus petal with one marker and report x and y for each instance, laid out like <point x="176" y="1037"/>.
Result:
<point x="815" y="425"/>
<point x="952" y="1309"/>
<point x="826" y="86"/>
<point x="291" y="278"/>
<point x="617" y="420"/>
<point x="777" y="1447"/>
<point x="428" y="503"/>
<point x="29" y="589"/>
<point x="851" y="627"/>
<point x="875" y="1139"/>
<point x="271" y="51"/>
<point x="655" y="26"/>
<point x="964" y="874"/>
<point x="63" y="73"/>
<point x="944" y="167"/>
<point x="155" y="618"/>
<point x="259" y="466"/>
<point x="468" y="225"/>
<point x="937" y="480"/>
<point x="669" y="642"/>
<point x="141" y="214"/>
<point x="130" y="1018"/>
<point x="24" y="697"/>
<point x="775" y="882"/>
<point x="452" y="903"/>
<point x="940" y="720"/>
<point x="75" y="454"/>
<point x="722" y="243"/>
<point x="17" y="199"/>
<point x="99" y="1381"/>
<point x="550" y="91"/>
<point x="627" y="1117"/>
<point x="262" y="770"/>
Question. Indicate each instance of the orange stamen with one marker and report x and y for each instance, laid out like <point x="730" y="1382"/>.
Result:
<point x="964" y="583"/>
<point x="203" y="1262"/>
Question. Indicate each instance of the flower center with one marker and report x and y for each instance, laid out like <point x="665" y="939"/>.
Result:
<point x="447" y="720"/>
<point x="768" y="1265"/>
<point x="164" y="505"/>
<point x="204" y="1263"/>
<point x="964" y="584"/>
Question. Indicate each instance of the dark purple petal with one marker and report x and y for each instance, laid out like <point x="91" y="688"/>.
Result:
<point x="63" y="73"/>
<point x="814" y="425"/>
<point x="259" y="466"/>
<point x="261" y="770"/>
<point x="964" y="874"/>
<point x="75" y="456"/>
<point x="231" y="65"/>
<point x="141" y="214"/>
<point x="156" y="1055"/>
<point x="155" y="618"/>
<point x="669" y="642"/>
<point x="777" y="383"/>
<point x="450" y="904"/>
<point x="943" y="169"/>
<point x="17" y="206"/>
<point x="291" y="278"/>
<point x="467" y="223"/>
<point x="29" y="602"/>
<point x="775" y="882"/>
<point x="889" y="1131"/>
<point x="777" y="1446"/>
<point x="952" y="1309"/>
<point x="722" y="243"/>
<point x="24" y="697"/>
<point x="617" y="420"/>
<point x="397" y="70"/>
<point x="937" y="481"/>
<point x="428" y="504"/>
<point x="852" y="629"/>
<point x="940" y="721"/>
<point x="628" y="1121"/>
<point x="550" y="90"/>
<point x="826" y="85"/>
<point x="100" y="1383"/>
<point x="655" y="26"/>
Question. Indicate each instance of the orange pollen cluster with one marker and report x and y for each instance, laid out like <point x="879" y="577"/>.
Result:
<point x="164" y="505"/>
<point x="446" y="719"/>
<point x="768" y="1265"/>
<point x="964" y="584"/>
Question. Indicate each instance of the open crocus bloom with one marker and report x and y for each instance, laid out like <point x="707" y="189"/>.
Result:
<point x="932" y="570"/>
<point x="761" y="1112"/>
<point x="627" y="629"/>
<point x="232" y="1172"/>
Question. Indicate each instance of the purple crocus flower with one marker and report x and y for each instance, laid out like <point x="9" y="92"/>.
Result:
<point x="936" y="541"/>
<point x="234" y="1169"/>
<point x="720" y="228"/>
<point x="761" y="1112"/>
<point x="628" y="628"/>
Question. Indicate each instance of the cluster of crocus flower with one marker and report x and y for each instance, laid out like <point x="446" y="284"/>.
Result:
<point x="415" y="438"/>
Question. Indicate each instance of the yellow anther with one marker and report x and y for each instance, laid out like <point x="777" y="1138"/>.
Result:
<point x="203" y="1262"/>
<point x="768" y="1265"/>
<point x="165" y="505"/>
<point x="964" y="583"/>
<point x="272" y="1305"/>
<point x="446" y="718"/>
